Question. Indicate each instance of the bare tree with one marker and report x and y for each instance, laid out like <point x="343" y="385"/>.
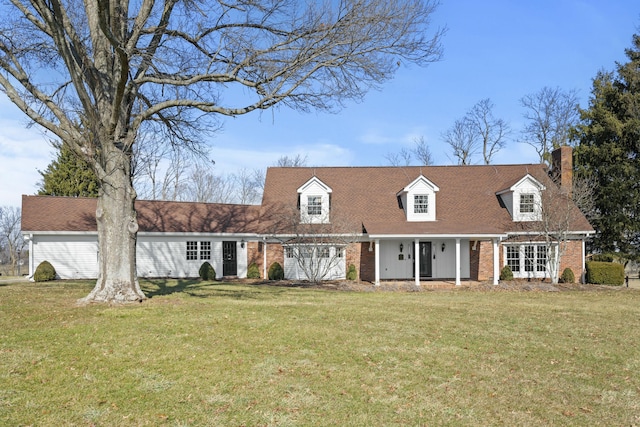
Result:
<point x="491" y="131"/>
<point x="462" y="140"/>
<point x="550" y="113"/>
<point x="318" y="249"/>
<point x="116" y="69"/>
<point x="405" y="156"/>
<point x="248" y="191"/>
<point x="10" y="236"/>
<point x="292" y="162"/>
<point x="400" y="158"/>
<point x="422" y="152"/>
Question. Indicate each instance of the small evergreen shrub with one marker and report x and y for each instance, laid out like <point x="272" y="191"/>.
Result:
<point x="44" y="272"/>
<point x="506" y="273"/>
<point x="567" y="276"/>
<point x="605" y="273"/>
<point x="352" y="273"/>
<point x="276" y="272"/>
<point x="253" y="272"/>
<point x="207" y="272"/>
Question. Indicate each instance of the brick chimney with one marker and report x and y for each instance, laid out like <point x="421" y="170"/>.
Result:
<point x="562" y="168"/>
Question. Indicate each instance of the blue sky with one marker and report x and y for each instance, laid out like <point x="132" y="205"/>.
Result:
<point x="500" y="50"/>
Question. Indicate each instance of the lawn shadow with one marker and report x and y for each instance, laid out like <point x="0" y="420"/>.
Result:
<point x="205" y="289"/>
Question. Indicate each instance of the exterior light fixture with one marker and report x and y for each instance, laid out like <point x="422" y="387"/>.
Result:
<point x="242" y="243"/>
<point x="401" y="247"/>
<point x="444" y="246"/>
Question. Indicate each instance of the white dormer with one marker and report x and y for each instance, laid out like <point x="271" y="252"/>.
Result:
<point x="419" y="199"/>
<point x="314" y="200"/>
<point x="523" y="199"/>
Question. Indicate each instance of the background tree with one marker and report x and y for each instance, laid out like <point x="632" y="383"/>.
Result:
<point x="117" y="69"/>
<point x="11" y="243"/>
<point x="419" y="154"/>
<point x="550" y="114"/>
<point x="68" y="175"/>
<point x="462" y="140"/>
<point x="608" y="153"/>
<point x="477" y="131"/>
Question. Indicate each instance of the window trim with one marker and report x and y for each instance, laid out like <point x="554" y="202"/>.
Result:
<point x="527" y="206"/>
<point x="314" y="205"/>
<point x="421" y="207"/>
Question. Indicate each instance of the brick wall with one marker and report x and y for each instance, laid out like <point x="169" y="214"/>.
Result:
<point x="367" y="269"/>
<point x="481" y="260"/>
<point x="255" y="253"/>
<point x="353" y="257"/>
<point x="572" y="258"/>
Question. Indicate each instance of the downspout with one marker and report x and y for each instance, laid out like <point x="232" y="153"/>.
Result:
<point x="264" y="258"/>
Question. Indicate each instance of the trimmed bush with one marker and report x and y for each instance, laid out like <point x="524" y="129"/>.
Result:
<point x="603" y="258"/>
<point x="44" y="272"/>
<point x="253" y="272"/>
<point x="567" y="276"/>
<point x="352" y="273"/>
<point x="276" y="272"/>
<point x="605" y="273"/>
<point x="207" y="272"/>
<point x="506" y="273"/>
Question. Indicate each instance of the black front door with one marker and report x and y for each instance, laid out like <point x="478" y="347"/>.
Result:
<point x="425" y="259"/>
<point x="229" y="260"/>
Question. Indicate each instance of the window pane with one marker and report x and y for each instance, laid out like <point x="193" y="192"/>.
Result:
<point x="314" y="205"/>
<point x="205" y="250"/>
<point x="526" y="203"/>
<point x="529" y="257"/>
<point x="513" y="258"/>
<point x="192" y="250"/>
<point x="541" y="262"/>
<point x="421" y="203"/>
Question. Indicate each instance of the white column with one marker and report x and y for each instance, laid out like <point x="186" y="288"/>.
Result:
<point x="416" y="260"/>
<point x="264" y="259"/>
<point x="583" y="276"/>
<point x="457" y="261"/>
<point x="377" y="257"/>
<point x="496" y="262"/>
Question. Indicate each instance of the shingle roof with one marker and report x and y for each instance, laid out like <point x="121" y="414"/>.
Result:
<point x="47" y="213"/>
<point x="466" y="203"/>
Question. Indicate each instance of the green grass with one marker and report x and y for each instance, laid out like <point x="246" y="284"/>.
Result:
<point x="201" y="354"/>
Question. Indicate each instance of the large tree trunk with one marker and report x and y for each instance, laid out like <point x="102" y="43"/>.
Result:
<point x="117" y="231"/>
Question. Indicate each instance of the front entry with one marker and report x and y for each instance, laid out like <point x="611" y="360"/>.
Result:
<point x="229" y="259"/>
<point x="425" y="259"/>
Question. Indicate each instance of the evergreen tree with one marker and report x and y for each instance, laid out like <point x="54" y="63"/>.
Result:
<point x="68" y="175"/>
<point x="609" y="154"/>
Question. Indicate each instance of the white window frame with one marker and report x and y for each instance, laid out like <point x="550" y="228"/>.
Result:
<point x="420" y="203"/>
<point x="314" y="205"/>
<point x="531" y="260"/>
<point x="527" y="206"/>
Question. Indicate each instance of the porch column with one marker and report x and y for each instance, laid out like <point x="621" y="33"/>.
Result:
<point x="496" y="262"/>
<point x="377" y="262"/>
<point x="416" y="260"/>
<point x="457" y="261"/>
<point x="264" y="259"/>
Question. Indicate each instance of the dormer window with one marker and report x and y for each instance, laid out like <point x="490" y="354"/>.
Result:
<point x="421" y="204"/>
<point x="418" y="199"/>
<point x="523" y="199"/>
<point x="314" y="205"/>
<point x="314" y="198"/>
<point x="527" y="205"/>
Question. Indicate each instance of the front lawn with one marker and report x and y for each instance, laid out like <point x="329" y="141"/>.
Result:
<point x="204" y="354"/>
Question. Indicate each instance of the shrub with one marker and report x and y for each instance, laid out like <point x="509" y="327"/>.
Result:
<point x="276" y="272"/>
<point x="253" y="272"/>
<point x="207" y="272"/>
<point x="567" y="276"/>
<point x="506" y="273"/>
<point x="603" y="258"/>
<point x="44" y="272"/>
<point x="605" y="273"/>
<point x="352" y="273"/>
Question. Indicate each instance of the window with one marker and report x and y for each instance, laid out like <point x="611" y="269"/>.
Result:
<point x="529" y="257"/>
<point x="205" y="250"/>
<point x="192" y="251"/>
<point x="526" y="203"/>
<point x="421" y="203"/>
<point x="314" y="205"/>
<point x="339" y="252"/>
<point x="323" y="252"/>
<point x="513" y="258"/>
<point x="288" y="252"/>
<point x="541" y="258"/>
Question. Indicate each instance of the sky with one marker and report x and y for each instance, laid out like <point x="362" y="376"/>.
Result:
<point x="496" y="49"/>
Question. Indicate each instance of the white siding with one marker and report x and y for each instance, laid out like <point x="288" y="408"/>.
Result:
<point x="443" y="264"/>
<point x="293" y="271"/>
<point x="73" y="256"/>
